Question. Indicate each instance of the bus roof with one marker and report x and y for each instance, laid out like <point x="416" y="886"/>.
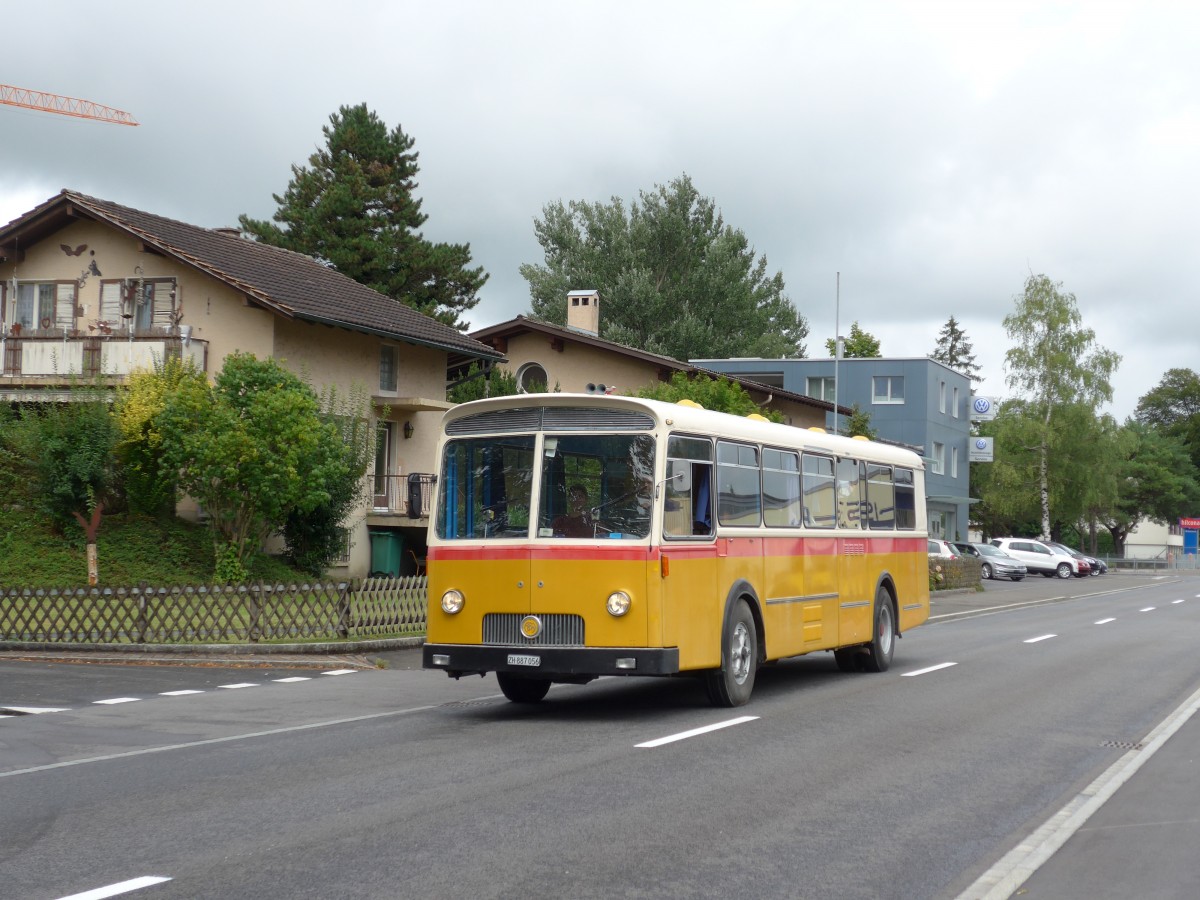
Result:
<point x="697" y="420"/>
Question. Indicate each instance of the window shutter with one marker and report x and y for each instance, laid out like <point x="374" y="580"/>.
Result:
<point x="110" y="303"/>
<point x="64" y="312"/>
<point x="164" y="306"/>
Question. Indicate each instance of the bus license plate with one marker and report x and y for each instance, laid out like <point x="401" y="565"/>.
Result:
<point x="517" y="659"/>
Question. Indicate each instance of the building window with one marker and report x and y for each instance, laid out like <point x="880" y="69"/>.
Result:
<point x="387" y="368"/>
<point x="953" y="462"/>
<point x="532" y="379"/>
<point x="938" y="465"/>
<point x="45" y="306"/>
<point x="887" y="389"/>
<point x="147" y="305"/>
<point x="821" y="388"/>
<point x="942" y="397"/>
<point x="954" y="404"/>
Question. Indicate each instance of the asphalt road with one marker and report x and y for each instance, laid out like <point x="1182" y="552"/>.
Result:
<point x="394" y="782"/>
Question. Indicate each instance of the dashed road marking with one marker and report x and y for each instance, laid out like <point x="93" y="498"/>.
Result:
<point x="293" y="679"/>
<point x="116" y="700"/>
<point x="928" y="669"/>
<point x="178" y="693"/>
<point x="1043" y="637"/>
<point x="234" y="687"/>
<point x="1105" y="621"/>
<point x="1147" y="609"/>
<point x="684" y="735"/>
<point x="340" y="672"/>
<point x="124" y="887"/>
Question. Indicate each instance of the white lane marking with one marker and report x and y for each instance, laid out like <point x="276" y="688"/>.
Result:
<point x="293" y="679"/>
<point x="1044" y="637"/>
<point x="124" y="887"/>
<point x="234" y="687"/>
<point x="224" y="740"/>
<point x="927" y="670"/>
<point x="37" y="710"/>
<point x="1105" y="621"/>
<point x="1147" y="609"/>
<point x="1180" y="600"/>
<point x="179" y="693"/>
<point x="1003" y="879"/>
<point x="340" y="672"/>
<point x="116" y="700"/>
<point x="684" y="735"/>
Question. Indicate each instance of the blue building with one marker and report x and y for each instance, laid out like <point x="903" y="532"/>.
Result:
<point x="917" y="402"/>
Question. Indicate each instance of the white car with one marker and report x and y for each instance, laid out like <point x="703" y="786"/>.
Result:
<point x="942" y="549"/>
<point x="1038" y="557"/>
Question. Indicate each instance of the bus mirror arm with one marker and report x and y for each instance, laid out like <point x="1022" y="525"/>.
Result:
<point x="658" y="487"/>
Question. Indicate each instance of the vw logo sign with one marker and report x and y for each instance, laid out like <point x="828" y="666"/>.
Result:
<point x="982" y="405"/>
<point x="980" y="444"/>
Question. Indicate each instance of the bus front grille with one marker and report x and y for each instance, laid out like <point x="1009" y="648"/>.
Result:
<point x="558" y="629"/>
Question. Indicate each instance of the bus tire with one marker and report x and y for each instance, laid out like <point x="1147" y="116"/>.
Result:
<point x="523" y="690"/>
<point x="883" y="635"/>
<point x="732" y="684"/>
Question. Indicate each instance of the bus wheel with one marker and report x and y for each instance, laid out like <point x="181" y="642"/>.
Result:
<point x="732" y="683"/>
<point x="523" y="690"/>
<point x="883" y="639"/>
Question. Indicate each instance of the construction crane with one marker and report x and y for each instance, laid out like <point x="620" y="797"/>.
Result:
<point x="64" y="106"/>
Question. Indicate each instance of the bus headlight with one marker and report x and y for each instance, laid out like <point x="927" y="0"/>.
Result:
<point x="452" y="602"/>
<point x="618" y="603"/>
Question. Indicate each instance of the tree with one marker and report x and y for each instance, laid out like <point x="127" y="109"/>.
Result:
<point x="675" y="279"/>
<point x="1055" y="363"/>
<point x="858" y="344"/>
<point x="354" y="209"/>
<point x="251" y="449"/>
<point x="719" y="393"/>
<point x="66" y="452"/>
<point x="858" y="423"/>
<point x="1156" y="480"/>
<point x="148" y="488"/>
<point x="954" y="350"/>
<point x="314" y="538"/>
<point x="1173" y="407"/>
<point x="477" y="384"/>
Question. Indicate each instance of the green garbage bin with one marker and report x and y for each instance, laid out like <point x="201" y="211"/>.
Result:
<point x="387" y="552"/>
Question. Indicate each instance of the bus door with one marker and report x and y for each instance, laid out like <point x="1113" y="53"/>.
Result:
<point x="691" y="608"/>
<point x="856" y="581"/>
<point x="483" y="550"/>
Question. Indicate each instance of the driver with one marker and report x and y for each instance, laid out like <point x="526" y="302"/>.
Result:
<point x="577" y="523"/>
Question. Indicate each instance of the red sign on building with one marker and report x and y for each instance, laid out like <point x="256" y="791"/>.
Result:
<point x="1189" y="523"/>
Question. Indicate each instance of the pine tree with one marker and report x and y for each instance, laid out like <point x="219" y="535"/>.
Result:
<point x="956" y="351"/>
<point x="353" y="208"/>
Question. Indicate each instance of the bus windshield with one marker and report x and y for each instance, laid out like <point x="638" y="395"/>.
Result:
<point x="589" y="486"/>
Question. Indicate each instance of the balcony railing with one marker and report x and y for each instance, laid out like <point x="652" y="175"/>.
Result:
<point x="64" y="355"/>
<point x="404" y="495"/>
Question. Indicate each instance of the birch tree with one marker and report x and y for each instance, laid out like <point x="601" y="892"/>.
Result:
<point x="1055" y="364"/>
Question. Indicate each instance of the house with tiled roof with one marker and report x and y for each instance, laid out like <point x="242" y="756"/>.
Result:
<point x="575" y="359"/>
<point x="95" y="289"/>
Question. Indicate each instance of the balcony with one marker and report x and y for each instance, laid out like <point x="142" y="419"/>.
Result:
<point x="407" y="496"/>
<point x="38" y="359"/>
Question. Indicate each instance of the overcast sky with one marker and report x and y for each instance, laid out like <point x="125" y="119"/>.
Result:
<point x="933" y="154"/>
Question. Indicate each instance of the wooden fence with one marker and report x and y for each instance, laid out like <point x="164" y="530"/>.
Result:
<point x="370" y="607"/>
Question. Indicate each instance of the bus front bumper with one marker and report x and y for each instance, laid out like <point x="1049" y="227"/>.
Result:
<point x="567" y="663"/>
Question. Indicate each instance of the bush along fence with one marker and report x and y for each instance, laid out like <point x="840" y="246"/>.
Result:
<point x="947" y="574"/>
<point x="369" y="607"/>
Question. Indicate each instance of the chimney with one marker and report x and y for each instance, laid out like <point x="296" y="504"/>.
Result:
<point x="583" y="311"/>
<point x="231" y="231"/>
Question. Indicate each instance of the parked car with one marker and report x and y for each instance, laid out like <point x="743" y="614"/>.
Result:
<point x="993" y="562"/>
<point x="943" y="549"/>
<point x="1095" y="566"/>
<point x="1047" y="561"/>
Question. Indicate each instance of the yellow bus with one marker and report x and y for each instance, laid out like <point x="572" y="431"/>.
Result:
<point x="576" y="536"/>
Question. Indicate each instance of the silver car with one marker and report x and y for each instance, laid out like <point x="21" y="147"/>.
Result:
<point x="993" y="562"/>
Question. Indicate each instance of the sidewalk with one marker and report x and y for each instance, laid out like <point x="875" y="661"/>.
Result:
<point x="342" y="654"/>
